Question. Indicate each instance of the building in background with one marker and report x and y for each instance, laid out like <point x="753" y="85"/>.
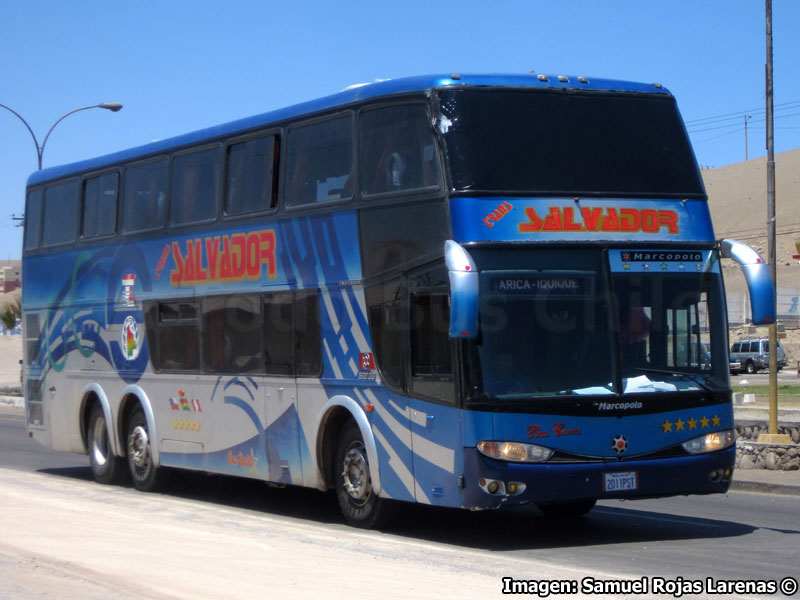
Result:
<point x="10" y="275"/>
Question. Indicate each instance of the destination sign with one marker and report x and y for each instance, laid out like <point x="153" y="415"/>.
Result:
<point x="541" y="284"/>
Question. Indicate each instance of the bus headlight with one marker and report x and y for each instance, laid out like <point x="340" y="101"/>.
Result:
<point x="515" y="451"/>
<point x="710" y="442"/>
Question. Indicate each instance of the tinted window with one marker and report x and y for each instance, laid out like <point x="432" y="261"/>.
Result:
<point x="397" y="150"/>
<point x="251" y="181"/>
<point x="320" y="162"/>
<point x="195" y="186"/>
<point x="100" y="205"/>
<point x="279" y="333"/>
<point x="145" y="196"/>
<point x="173" y="334"/>
<point x="60" y="213"/>
<point x="232" y="334"/>
<point x="388" y="325"/>
<point x="566" y="142"/>
<point x="33" y="219"/>
<point x="308" y="341"/>
<point x="430" y="343"/>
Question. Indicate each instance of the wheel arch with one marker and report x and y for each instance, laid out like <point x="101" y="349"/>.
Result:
<point x="94" y="394"/>
<point x="133" y="396"/>
<point x="336" y="412"/>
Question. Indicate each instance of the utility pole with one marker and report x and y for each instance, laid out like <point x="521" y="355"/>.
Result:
<point x="746" y="118"/>
<point x="773" y="435"/>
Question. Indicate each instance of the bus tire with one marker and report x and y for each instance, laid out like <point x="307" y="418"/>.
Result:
<point x="107" y="467"/>
<point x="566" y="510"/>
<point x="360" y="504"/>
<point x="146" y="476"/>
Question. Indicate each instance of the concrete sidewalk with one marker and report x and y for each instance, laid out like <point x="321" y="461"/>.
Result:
<point x="764" y="480"/>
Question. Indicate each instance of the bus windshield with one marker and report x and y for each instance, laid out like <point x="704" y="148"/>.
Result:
<point x="555" y="142"/>
<point x="559" y="322"/>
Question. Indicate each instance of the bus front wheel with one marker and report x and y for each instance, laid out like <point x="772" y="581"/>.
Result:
<point x="147" y="477"/>
<point x="360" y="504"/>
<point x="107" y="467"/>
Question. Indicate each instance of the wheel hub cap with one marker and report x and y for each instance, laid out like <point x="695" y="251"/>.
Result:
<point x="356" y="473"/>
<point x="139" y="447"/>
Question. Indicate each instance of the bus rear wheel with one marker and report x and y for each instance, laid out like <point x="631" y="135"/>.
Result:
<point x="147" y="477"/>
<point x="107" y="467"/>
<point x="567" y="510"/>
<point x="360" y="504"/>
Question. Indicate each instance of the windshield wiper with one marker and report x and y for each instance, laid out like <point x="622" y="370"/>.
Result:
<point x="691" y="376"/>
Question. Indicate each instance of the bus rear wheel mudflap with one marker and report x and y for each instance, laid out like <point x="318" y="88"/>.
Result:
<point x="146" y="476"/>
<point x="107" y="467"/>
<point x="360" y="504"/>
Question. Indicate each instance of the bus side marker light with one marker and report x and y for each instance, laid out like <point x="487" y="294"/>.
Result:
<point x="369" y="407"/>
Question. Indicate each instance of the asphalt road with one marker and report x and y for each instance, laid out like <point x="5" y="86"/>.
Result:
<point x="736" y="536"/>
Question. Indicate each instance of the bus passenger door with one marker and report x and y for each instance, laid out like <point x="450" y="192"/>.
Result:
<point x="435" y="418"/>
<point x="291" y="345"/>
<point x="281" y="433"/>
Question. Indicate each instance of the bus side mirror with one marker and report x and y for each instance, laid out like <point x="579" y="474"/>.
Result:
<point x="463" y="291"/>
<point x="759" y="280"/>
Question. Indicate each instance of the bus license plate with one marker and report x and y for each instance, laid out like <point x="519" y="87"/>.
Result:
<point x="620" y="482"/>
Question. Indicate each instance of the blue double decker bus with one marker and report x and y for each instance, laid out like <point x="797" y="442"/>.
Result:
<point x="465" y="291"/>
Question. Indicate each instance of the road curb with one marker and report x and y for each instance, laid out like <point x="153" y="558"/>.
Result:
<point x="13" y="401"/>
<point x="764" y="487"/>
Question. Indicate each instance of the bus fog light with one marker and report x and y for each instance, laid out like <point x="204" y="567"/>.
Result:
<point x="726" y="476"/>
<point x="514" y="451"/>
<point x="492" y="486"/>
<point x="710" y="442"/>
<point x="714" y="476"/>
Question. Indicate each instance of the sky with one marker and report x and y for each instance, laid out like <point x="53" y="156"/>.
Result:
<point x="182" y="65"/>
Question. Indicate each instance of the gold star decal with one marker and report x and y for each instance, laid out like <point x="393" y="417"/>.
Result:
<point x="692" y="423"/>
<point x="715" y="421"/>
<point x="704" y="422"/>
<point x="667" y="426"/>
<point x="679" y="425"/>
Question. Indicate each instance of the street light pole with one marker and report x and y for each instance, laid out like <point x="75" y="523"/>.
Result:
<point x="112" y="106"/>
<point x="746" y="119"/>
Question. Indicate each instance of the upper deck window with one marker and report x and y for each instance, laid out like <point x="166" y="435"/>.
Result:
<point x="33" y="219"/>
<point x="252" y="176"/>
<point x="195" y="186"/>
<point x="100" y="205"/>
<point x="60" y="213"/>
<point x="320" y="162"/>
<point x="565" y="142"/>
<point x="397" y="150"/>
<point x="145" y="196"/>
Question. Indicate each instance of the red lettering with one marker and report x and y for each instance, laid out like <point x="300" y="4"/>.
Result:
<point x="611" y="220"/>
<point x="239" y="255"/>
<point x="200" y="273"/>
<point x="553" y="220"/>
<point x="591" y="218"/>
<point x="569" y="223"/>
<point x="177" y="274"/>
<point x="212" y="255"/>
<point x="560" y="430"/>
<point x="629" y="218"/>
<point x="534" y="221"/>
<point x="267" y="254"/>
<point x="534" y="431"/>
<point x="669" y="219"/>
<point x="649" y="220"/>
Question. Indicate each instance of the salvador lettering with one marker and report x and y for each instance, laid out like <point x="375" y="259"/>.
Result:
<point x="224" y="258"/>
<point x="597" y="219"/>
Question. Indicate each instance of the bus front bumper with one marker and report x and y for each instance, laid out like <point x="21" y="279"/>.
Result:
<point x="490" y="483"/>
